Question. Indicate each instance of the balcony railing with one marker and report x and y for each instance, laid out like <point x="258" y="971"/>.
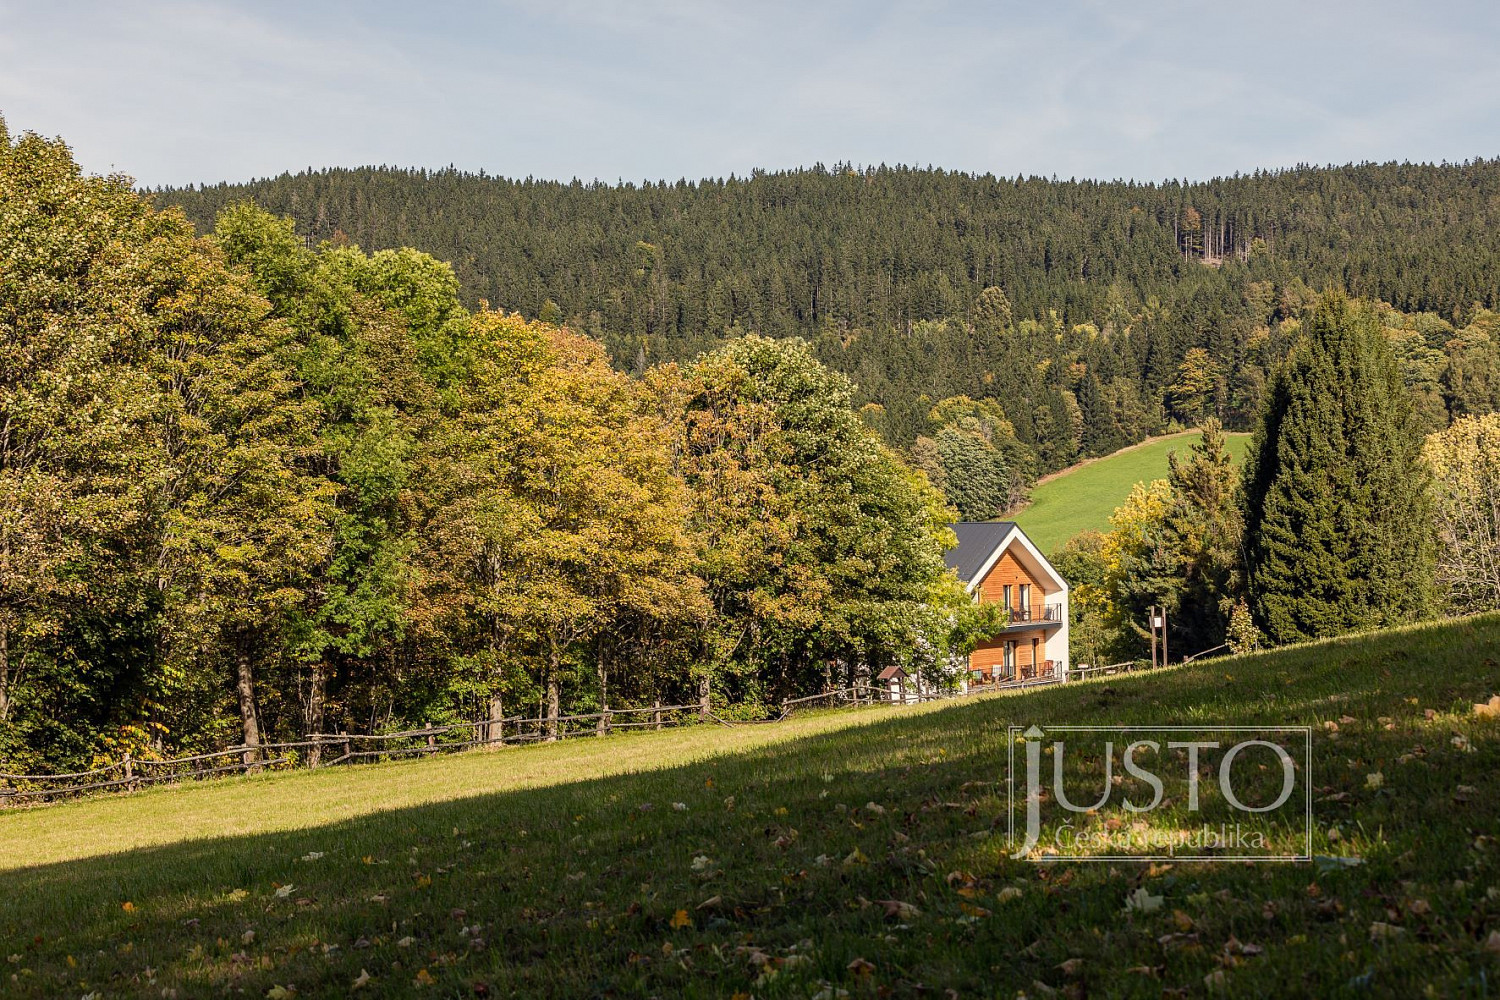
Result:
<point x="1014" y="674"/>
<point x="1035" y="614"/>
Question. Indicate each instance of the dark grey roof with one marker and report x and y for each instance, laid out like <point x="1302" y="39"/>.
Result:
<point x="977" y="541"/>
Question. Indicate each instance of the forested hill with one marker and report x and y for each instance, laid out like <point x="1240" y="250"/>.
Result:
<point x="884" y="269"/>
<point x="790" y="253"/>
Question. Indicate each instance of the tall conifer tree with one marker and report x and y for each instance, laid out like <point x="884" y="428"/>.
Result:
<point x="1338" y="522"/>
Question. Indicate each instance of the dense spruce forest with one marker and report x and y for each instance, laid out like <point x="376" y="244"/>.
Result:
<point x="1105" y="289"/>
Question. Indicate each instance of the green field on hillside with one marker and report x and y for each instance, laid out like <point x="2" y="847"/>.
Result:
<point x="1082" y="498"/>
<point x="859" y="853"/>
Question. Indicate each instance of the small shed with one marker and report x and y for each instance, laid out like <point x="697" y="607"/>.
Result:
<point x="897" y="674"/>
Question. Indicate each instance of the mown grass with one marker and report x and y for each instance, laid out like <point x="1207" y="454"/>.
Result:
<point x="1083" y="498"/>
<point x="570" y="871"/>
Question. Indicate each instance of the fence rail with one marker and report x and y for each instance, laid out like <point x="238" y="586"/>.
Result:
<point x="319" y="750"/>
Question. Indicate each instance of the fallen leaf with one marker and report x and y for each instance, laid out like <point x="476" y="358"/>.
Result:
<point x="681" y="919"/>
<point x="860" y="967"/>
<point x="1008" y="893"/>
<point x="1142" y="901"/>
<point x="362" y="981"/>
<point x="1382" y="931"/>
<point x="710" y="902"/>
<point x="1374" y="781"/>
<point x="899" y="910"/>
<point x="282" y="892"/>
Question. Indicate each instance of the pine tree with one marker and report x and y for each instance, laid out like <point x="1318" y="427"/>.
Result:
<point x="1337" y="513"/>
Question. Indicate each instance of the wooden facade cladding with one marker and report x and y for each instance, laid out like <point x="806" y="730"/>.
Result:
<point x="1008" y="571"/>
<point x="1030" y="650"/>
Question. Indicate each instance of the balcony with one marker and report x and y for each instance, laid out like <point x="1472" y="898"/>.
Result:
<point x="1035" y="614"/>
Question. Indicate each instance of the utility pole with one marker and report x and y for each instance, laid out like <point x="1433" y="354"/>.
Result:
<point x="1164" y="635"/>
<point x="1152" y="620"/>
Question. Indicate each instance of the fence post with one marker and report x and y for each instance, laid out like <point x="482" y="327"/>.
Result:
<point x="431" y="737"/>
<point x="315" y="755"/>
<point x="129" y="771"/>
<point x="657" y="715"/>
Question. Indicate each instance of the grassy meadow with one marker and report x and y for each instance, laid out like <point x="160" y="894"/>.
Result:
<point x="1083" y="497"/>
<point x="855" y="853"/>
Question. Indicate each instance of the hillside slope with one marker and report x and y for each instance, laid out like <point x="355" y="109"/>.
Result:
<point x="1082" y="498"/>
<point x="864" y="852"/>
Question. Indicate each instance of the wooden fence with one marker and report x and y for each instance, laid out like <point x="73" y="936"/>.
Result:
<point x="335" y="749"/>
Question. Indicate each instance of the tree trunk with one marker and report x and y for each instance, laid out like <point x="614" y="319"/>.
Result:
<point x="317" y="684"/>
<point x="244" y="687"/>
<point x="4" y="670"/>
<point x="495" y="731"/>
<point x="554" y="692"/>
<point x="603" y="726"/>
<point x="703" y="697"/>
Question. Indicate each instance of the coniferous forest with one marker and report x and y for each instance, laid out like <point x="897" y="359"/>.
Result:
<point x="1099" y="312"/>
<point x="361" y="449"/>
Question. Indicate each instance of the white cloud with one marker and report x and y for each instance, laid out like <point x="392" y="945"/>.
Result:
<point x="176" y="92"/>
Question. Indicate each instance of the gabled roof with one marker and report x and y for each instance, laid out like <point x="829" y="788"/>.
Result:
<point x="977" y="541"/>
<point x="980" y="544"/>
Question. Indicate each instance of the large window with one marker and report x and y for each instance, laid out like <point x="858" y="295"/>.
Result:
<point x="1025" y="605"/>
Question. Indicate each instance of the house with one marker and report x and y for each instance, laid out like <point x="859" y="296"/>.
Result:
<point x="998" y="564"/>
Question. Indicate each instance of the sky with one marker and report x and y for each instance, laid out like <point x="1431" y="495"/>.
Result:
<point x="175" y="93"/>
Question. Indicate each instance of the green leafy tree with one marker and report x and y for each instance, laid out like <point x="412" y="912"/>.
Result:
<point x="77" y="469"/>
<point x="1203" y="533"/>
<point x="976" y="479"/>
<point x="816" y="543"/>
<point x="1465" y="461"/>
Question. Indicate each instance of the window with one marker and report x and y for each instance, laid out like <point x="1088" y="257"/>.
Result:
<point x="1010" y="658"/>
<point x="1026" y="602"/>
<point x="1005" y="595"/>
